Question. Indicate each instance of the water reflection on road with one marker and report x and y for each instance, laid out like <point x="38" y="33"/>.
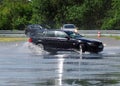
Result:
<point x="21" y="67"/>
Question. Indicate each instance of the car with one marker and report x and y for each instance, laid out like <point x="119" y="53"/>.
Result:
<point x="30" y="30"/>
<point x="55" y="40"/>
<point x="90" y="45"/>
<point x="69" y="27"/>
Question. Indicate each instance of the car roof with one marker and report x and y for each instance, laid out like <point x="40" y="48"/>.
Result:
<point x="61" y="31"/>
<point x="68" y="24"/>
<point x="34" y="25"/>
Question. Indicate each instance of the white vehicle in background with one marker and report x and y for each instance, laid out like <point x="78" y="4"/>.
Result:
<point x="69" y="27"/>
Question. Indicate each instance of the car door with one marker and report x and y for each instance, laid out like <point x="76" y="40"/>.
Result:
<point x="50" y="39"/>
<point x="63" y="40"/>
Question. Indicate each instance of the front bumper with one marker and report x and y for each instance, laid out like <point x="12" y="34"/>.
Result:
<point x="95" y="47"/>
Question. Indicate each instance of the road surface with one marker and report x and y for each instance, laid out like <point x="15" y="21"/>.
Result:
<point x="20" y="66"/>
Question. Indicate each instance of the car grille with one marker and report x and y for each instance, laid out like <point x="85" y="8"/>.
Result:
<point x="96" y="45"/>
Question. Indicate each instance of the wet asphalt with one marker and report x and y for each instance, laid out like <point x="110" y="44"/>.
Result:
<point x="21" y="66"/>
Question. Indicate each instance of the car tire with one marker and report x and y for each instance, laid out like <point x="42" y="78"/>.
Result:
<point x="82" y="48"/>
<point x="41" y="46"/>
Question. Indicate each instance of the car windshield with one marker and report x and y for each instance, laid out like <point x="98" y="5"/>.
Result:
<point x="69" y="26"/>
<point x="73" y="34"/>
<point x="35" y="26"/>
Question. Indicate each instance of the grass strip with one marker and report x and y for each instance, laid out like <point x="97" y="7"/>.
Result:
<point x="12" y="39"/>
<point x="116" y="37"/>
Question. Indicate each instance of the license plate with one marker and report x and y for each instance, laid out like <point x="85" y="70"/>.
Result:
<point x="100" y="46"/>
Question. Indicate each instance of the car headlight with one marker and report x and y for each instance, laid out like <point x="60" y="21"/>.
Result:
<point x="76" y="30"/>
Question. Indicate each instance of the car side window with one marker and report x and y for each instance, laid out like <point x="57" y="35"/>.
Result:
<point x="50" y="34"/>
<point x="60" y="34"/>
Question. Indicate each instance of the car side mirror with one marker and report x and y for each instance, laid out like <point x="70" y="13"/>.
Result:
<point x="67" y="37"/>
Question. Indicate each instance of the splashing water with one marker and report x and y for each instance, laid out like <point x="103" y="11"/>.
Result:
<point x="34" y="49"/>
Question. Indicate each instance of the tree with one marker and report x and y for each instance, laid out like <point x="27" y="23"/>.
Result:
<point x="15" y="14"/>
<point x="86" y="14"/>
<point x="112" y="19"/>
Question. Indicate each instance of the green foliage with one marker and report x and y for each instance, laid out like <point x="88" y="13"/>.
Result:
<point x="74" y="13"/>
<point x="14" y="14"/>
<point x="85" y="14"/>
<point x="112" y="19"/>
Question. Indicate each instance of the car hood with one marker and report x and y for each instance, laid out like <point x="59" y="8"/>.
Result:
<point x="88" y="39"/>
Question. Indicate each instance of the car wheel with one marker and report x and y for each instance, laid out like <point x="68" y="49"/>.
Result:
<point x="41" y="46"/>
<point x="82" y="48"/>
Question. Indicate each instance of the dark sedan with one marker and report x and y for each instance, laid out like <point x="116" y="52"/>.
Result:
<point x="32" y="29"/>
<point x="55" y="40"/>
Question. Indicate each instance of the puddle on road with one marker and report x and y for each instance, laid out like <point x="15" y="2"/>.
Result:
<point x="21" y="67"/>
